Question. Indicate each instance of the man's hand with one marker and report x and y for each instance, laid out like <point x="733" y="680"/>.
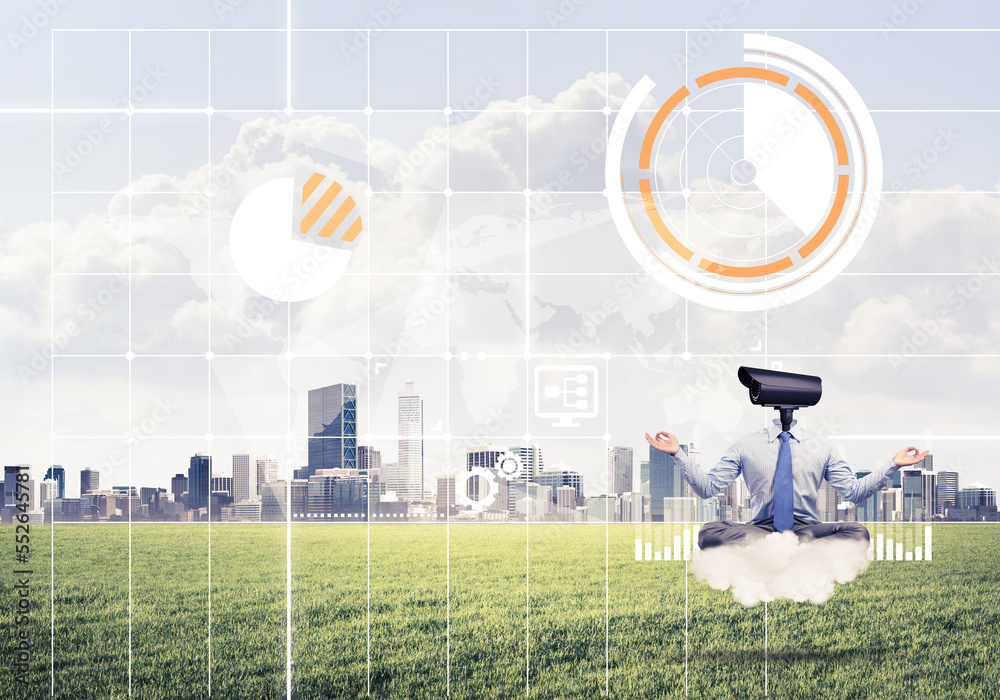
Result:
<point x="907" y="457"/>
<point x="664" y="442"/>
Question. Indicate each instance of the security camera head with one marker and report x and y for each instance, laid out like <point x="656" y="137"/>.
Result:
<point x="782" y="390"/>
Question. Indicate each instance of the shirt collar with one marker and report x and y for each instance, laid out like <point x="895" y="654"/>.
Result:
<point x="774" y="429"/>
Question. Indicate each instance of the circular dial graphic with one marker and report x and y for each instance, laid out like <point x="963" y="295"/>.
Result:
<point x="752" y="186"/>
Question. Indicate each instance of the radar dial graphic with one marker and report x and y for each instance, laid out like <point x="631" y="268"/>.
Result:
<point x="751" y="186"/>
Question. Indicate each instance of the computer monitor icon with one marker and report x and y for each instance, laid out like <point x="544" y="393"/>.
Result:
<point x="566" y="392"/>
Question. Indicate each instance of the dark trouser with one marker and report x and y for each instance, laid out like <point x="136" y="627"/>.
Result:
<point x="723" y="532"/>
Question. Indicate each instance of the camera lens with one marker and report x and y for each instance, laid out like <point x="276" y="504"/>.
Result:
<point x="754" y="390"/>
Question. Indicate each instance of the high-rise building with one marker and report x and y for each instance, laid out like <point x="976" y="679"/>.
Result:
<point x="866" y="511"/>
<point x="222" y="484"/>
<point x="947" y="491"/>
<point x="48" y="490"/>
<point x="560" y="475"/>
<point x="241" y="478"/>
<point x="532" y="464"/>
<point x="10" y="485"/>
<point x="976" y="495"/>
<point x="267" y="472"/>
<point x="929" y="494"/>
<point x="411" y="443"/>
<point x="927" y="463"/>
<point x="565" y="501"/>
<point x="620" y="470"/>
<point x="338" y="494"/>
<point x="274" y="502"/>
<point x="199" y="474"/>
<point x="826" y="502"/>
<point x="178" y="487"/>
<point x="660" y="478"/>
<point x="369" y="458"/>
<point x="333" y="429"/>
<point x="57" y="474"/>
<point x="90" y="480"/>
<point x="487" y="457"/>
<point x="913" y="495"/>
<point x="445" y="499"/>
<point x="680" y="509"/>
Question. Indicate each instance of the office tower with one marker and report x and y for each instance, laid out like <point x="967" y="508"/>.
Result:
<point x="680" y="509"/>
<point x="241" y="478"/>
<point x="10" y="485"/>
<point x="90" y="480"/>
<point x="146" y="494"/>
<point x="560" y="475"/>
<point x="947" y="491"/>
<point x="890" y="505"/>
<point x="630" y="507"/>
<point x="927" y="464"/>
<point x="913" y="491"/>
<point x="48" y="490"/>
<point x="486" y="456"/>
<point x="411" y="443"/>
<point x="565" y="501"/>
<point x="730" y="501"/>
<point x="369" y="458"/>
<point x="338" y="494"/>
<point x="976" y="495"/>
<point x="531" y="460"/>
<point x="929" y="494"/>
<point x="267" y="472"/>
<point x="620" y="470"/>
<point x="660" y="478"/>
<point x="445" y="499"/>
<point x="333" y="429"/>
<point x="58" y="474"/>
<point x="274" y="502"/>
<point x="178" y="487"/>
<point x="826" y="502"/>
<point x="199" y="474"/>
<point x="300" y="498"/>
<point x="867" y="510"/>
<point x="222" y="484"/>
<point x="708" y="509"/>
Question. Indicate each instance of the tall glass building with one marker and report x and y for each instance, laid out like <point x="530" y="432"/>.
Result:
<point x="333" y="429"/>
<point x="411" y="444"/>
<point x="199" y="475"/>
<point x="57" y="474"/>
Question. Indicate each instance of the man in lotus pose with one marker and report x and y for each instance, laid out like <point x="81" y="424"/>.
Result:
<point x="782" y="498"/>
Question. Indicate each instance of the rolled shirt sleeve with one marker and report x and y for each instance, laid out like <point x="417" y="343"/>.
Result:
<point x="708" y="484"/>
<point x="843" y="480"/>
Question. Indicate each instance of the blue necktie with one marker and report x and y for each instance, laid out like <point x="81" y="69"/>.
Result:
<point x="783" y="486"/>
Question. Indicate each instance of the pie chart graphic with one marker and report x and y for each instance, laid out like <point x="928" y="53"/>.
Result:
<point x="753" y="185"/>
<point x="292" y="239"/>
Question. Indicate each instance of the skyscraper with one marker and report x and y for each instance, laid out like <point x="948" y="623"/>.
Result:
<point x="57" y="474"/>
<point x="274" y="501"/>
<point x="241" y="477"/>
<point x="411" y="444"/>
<point x="929" y="494"/>
<point x="178" y="486"/>
<point x="913" y="495"/>
<point x="977" y="495"/>
<point x="660" y="478"/>
<point x="620" y="470"/>
<point x="90" y="480"/>
<point x="560" y="475"/>
<point x="199" y="474"/>
<point x="866" y="511"/>
<point x="267" y="472"/>
<point x="333" y="429"/>
<point x="947" y="491"/>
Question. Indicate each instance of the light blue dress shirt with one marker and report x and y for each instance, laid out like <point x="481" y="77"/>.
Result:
<point x="755" y="455"/>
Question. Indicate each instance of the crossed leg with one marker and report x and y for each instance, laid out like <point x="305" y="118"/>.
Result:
<point x="723" y="532"/>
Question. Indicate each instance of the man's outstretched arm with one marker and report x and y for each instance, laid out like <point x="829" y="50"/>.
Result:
<point x="843" y="480"/>
<point x="705" y="484"/>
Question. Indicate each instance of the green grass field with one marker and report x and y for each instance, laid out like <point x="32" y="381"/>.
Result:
<point x="901" y="630"/>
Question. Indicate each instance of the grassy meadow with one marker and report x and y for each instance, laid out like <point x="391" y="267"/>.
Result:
<point x="533" y="610"/>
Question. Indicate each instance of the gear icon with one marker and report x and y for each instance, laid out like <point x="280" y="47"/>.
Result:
<point x="485" y="477"/>
<point x="509" y="465"/>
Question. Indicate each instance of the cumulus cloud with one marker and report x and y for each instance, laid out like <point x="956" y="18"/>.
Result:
<point x="779" y="565"/>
